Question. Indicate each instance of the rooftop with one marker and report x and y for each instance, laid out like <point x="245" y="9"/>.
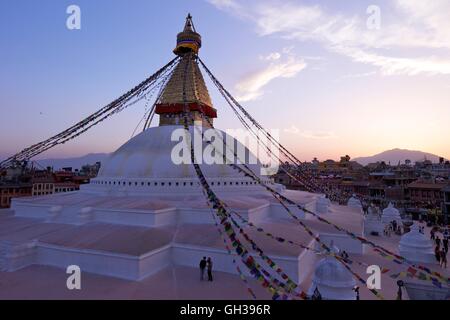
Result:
<point x="427" y="185"/>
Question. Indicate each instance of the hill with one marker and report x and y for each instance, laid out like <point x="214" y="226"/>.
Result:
<point x="75" y="163"/>
<point x="395" y="155"/>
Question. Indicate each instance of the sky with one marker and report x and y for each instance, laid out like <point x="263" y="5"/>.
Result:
<point x="334" y="77"/>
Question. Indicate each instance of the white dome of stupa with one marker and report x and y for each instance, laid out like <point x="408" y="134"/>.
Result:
<point x="149" y="155"/>
<point x="322" y="204"/>
<point x="416" y="247"/>
<point x="333" y="280"/>
<point x="147" y="161"/>
<point x="390" y="214"/>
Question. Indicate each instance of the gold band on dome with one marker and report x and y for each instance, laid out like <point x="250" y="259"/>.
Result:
<point x="192" y="45"/>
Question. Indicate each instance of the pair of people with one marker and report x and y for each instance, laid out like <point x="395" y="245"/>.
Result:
<point x="394" y="225"/>
<point x="422" y="229"/>
<point x="206" y="264"/>
<point x="344" y="255"/>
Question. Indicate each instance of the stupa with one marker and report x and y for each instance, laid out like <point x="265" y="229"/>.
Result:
<point x="323" y="205"/>
<point x="145" y="217"/>
<point x="144" y="211"/>
<point x="416" y="247"/>
<point x="372" y="222"/>
<point x="333" y="281"/>
<point x="390" y="214"/>
<point x="354" y="202"/>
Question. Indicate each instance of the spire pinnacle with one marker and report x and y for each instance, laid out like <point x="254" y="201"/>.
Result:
<point x="189" y="26"/>
<point x="188" y="40"/>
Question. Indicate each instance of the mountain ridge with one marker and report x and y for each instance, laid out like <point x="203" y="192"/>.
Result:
<point x="74" y="162"/>
<point x="395" y="155"/>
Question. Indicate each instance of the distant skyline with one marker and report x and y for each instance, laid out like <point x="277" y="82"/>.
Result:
<point x="314" y="70"/>
<point x="393" y="157"/>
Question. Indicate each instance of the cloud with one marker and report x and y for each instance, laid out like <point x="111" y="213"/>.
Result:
<point x="310" y="134"/>
<point x="250" y="87"/>
<point x="424" y="26"/>
<point x="292" y="130"/>
<point x="359" y="75"/>
<point x="225" y="4"/>
<point x="271" y="57"/>
<point x="431" y="18"/>
<point x="230" y="6"/>
<point x="318" y="135"/>
<point x="399" y="66"/>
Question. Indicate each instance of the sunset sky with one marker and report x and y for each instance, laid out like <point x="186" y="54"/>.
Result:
<point x="312" y="69"/>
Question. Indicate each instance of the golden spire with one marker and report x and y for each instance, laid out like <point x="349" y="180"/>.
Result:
<point x="186" y="86"/>
<point x="186" y="75"/>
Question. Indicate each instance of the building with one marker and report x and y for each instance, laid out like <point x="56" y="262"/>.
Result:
<point x="344" y="167"/>
<point x="89" y="171"/>
<point x="428" y="169"/>
<point x="43" y="183"/>
<point x="426" y="194"/>
<point x="47" y="182"/>
<point x="65" y="187"/>
<point x="26" y="182"/>
<point x="285" y="179"/>
<point x="13" y="190"/>
<point x="413" y="188"/>
<point x="359" y="187"/>
<point x="446" y="191"/>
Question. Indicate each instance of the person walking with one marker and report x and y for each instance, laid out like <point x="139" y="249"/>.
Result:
<point x="443" y="259"/>
<point x="438" y="242"/>
<point x="445" y="244"/>
<point x="209" y="267"/>
<point x="202" y="268"/>
<point x="437" y="254"/>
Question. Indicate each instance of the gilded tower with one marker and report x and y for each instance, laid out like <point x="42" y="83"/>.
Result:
<point x="186" y="88"/>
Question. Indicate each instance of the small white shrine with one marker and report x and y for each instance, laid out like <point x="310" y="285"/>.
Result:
<point x="333" y="280"/>
<point x="416" y="247"/>
<point x="354" y="202"/>
<point x="323" y="205"/>
<point x="390" y="214"/>
<point x="372" y="223"/>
